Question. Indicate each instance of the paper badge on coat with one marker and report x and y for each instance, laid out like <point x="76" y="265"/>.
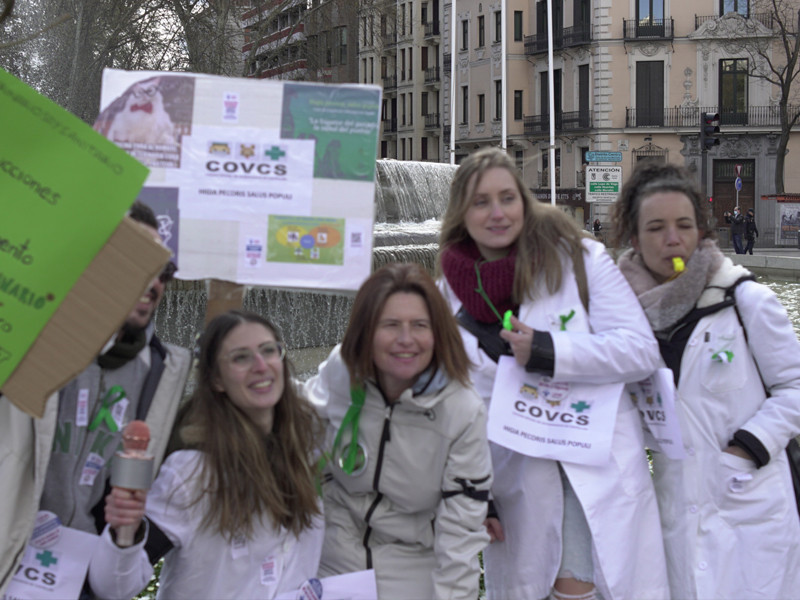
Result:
<point x="534" y="415"/>
<point x="55" y="562"/>
<point x="654" y="398"/>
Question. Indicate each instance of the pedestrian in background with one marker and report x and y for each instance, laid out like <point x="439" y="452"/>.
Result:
<point x="736" y="221"/>
<point x="750" y="230"/>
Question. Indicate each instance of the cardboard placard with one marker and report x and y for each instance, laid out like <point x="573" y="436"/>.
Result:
<point x="93" y="310"/>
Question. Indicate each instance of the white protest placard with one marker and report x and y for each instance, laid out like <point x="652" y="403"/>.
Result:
<point x="359" y="585"/>
<point x="253" y="181"/>
<point x="534" y="415"/>
<point x="654" y="397"/>
<point x="54" y="564"/>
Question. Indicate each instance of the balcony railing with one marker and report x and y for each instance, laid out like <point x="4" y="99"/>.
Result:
<point x="389" y="125"/>
<point x="432" y="75"/>
<point x="575" y="120"/>
<point x="648" y="29"/>
<point x="432" y="121"/>
<point x="544" y="178"/>
<point x="431" y="28"/>
<point x="766" y="19"/>
<point x="390" y="82"/>
<point x="689" y="117"/>
<point x="570" y="36"/>
<point x="565" y="121"/>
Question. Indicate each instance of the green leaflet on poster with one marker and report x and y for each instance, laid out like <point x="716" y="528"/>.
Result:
<point x="63" y="191"/>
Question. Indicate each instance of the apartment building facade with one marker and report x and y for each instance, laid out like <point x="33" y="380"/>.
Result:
<point x="630" y="76"/>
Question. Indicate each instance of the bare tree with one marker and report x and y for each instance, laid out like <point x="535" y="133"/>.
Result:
<point x="776" y="59"/>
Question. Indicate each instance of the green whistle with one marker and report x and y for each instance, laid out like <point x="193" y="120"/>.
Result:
<point x="507" y="320"/>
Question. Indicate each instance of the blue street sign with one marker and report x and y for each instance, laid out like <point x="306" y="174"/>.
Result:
<point x="738" y="184"/>
<point x="592" y="156"/>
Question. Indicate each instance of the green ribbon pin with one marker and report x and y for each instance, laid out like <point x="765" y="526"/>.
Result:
<point x="722" y="356"/>
<point x="351" y="418"/>
<point x="114" y="395"/>
<point x="565" y="319"/>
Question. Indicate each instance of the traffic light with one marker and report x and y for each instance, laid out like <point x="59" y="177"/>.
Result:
<point x="709" y="130"/>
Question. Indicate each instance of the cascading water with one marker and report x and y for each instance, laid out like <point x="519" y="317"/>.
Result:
<point x="410" y="199"/>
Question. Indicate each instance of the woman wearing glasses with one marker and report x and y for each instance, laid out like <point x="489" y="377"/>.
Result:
<point x="564" y="529"/>
<point x="409" y="470"/>
<point x="236" y="514"/>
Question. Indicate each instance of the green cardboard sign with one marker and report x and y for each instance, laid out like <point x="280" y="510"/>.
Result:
<point x="63" y="191"/>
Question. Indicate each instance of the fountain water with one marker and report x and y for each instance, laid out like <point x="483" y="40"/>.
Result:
<point x="410" y="198"/>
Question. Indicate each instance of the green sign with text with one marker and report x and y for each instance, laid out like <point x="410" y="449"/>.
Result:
<point x="63" y="191"/>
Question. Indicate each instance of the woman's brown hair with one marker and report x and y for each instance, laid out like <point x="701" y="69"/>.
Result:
<point x="246" y="474"/>
<point x="546" y="232"/>
<point x="648" y="178"/>
<point x="448" y="347"/>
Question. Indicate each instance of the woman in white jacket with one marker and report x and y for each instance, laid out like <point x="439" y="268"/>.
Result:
<point x="407" y="483"/>
<point x="236" y="514"/>
<point x="574" y="528"/>
<point x="728" y="509"/>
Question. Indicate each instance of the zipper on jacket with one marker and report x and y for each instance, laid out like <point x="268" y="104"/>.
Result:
<point x="385" y="437"/>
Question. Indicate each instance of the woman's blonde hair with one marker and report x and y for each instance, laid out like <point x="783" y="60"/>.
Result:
<point x="246" y="474"/>
<point x="546" y="229"/>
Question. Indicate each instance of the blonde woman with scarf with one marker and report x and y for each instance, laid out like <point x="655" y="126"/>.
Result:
<point x="566" y="529"/>
<point x="728" y="510"/>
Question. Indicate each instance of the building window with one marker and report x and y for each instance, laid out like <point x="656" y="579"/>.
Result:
<point x="364" y="69"/>
<point x="649" y="10"/>
<point x="402" y="19"/>
<point x="424" y="148"/>
<point x="465" y="104"/>
<point x="498" y="26"/>
<point x="481" y="108"/>
<point x="402" y="65"/>
<point x="371" y="69"/>
<point x="410" y="108"/>
<point x="424" y="103"/>
<point x="738" y="6"/>
<point x="517" y="105"/>
<point x="402" y="109"/>
<point x="650" y="93"/>
<point x="464" y="34"/>
<point x="517" y="25"/>
<point x="545" y="179"/>
<point x="410" y="64"/>
<point x="733" y="91"/>
<point x="340" y="52"/>
<point x="481" y="34"/>
<point x="498" y="99"/>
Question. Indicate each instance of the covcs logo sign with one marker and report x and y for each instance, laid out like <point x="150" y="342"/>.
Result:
<point x="249" y="159"/>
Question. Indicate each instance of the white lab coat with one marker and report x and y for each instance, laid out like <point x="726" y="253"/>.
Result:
<point x="732" y="531"/>
<point x="613" y="343"/>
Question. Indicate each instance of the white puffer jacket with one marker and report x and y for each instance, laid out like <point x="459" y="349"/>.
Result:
<point x="393" y="515"/>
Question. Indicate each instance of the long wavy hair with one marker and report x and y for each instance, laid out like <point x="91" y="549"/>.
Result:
<point x="648" y="178"/>
<point x="546" y="232"/>
<point x="246" y="474"/>
<point x="448" y="347"/>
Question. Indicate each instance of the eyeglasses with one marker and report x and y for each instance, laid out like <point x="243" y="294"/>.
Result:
<point x="167" y="273"/>
<point x="243" y="359"/>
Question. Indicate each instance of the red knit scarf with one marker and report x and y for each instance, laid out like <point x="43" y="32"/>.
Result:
<point x="497" y="276"/>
